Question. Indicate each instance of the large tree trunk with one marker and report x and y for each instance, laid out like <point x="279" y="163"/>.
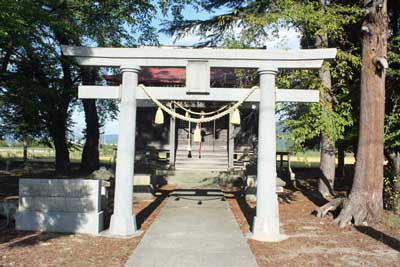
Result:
<point x="90" y="153"/>
<point x="327" y="157"/>
<point x="25" y="154"/>
<point x="365" y="202"/>
<point x="341" y="169"/>
<point x="327" y="167"/>
<point x="58" y="134"/>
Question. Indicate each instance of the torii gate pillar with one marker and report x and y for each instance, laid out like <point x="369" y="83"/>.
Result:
<point x="123" y="222"/>
<point x="266" y="221"/>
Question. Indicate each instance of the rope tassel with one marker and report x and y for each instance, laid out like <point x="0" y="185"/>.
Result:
<point x="159" y="119"/>
<point x="235" y="119"/>
<point x="195" y="120"/>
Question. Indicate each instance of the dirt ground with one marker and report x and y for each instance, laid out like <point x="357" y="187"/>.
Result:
<point x="35" y="249"/>
<point x="312" y="241"/>
<point x="317" y="242"/>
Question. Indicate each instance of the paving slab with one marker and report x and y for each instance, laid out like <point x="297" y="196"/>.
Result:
<point x="187" y="234"/>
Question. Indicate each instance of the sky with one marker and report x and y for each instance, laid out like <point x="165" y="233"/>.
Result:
<point x="288" y="39"/>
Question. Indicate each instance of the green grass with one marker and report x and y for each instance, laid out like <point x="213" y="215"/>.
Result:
<point x="41" y="153"/>
<point x="308" y="159"/>
<point x="392" y="220"/>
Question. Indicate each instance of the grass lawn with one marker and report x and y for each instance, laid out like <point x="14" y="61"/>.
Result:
<point x="306" y="159"/>
<point x="43" y="153"/>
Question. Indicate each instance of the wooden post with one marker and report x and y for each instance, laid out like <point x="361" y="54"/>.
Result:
<point x="172" y="128"/>
<point x="231" y="143"/>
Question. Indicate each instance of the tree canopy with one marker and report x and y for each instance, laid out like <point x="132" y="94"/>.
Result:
<point x="38" y="84"/>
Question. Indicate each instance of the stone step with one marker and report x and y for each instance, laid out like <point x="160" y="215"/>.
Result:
<point x="209" y="137"/>
<point x="184" y="153"/>
<point x="200" y="168"/>
<point x="216" y="150"/>
<point x="220" y="145"/>
<point x="192" y="181"/>
<point x="204" y="155"/>
<point x="221" y="135"/>
<point x="195" y="167"/>
<point x="201" y="161"/>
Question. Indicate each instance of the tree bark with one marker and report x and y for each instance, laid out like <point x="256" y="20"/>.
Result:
<point x="327" y="167"/>
<point x="327" y="156"/>
<point x="90" y="153"/>
<point x="341" y="169"/>
<point x="365" y="202"/>
<point x="57" y="132"/>
<point x="25" y="156"/>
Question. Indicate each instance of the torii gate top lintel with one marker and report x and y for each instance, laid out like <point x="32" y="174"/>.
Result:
<point x="217" y="57"/>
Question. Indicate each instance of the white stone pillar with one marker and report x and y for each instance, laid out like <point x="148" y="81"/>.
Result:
<point x="266" y="221"/>
<point x="123" y="222"/>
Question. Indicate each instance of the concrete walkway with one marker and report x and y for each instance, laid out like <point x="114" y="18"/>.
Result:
<point x="187" y="234"/>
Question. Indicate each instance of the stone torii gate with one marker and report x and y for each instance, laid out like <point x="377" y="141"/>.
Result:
<point x="198" y="63"/>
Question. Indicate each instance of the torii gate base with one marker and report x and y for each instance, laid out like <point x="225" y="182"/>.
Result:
<point x="198" y="63"/>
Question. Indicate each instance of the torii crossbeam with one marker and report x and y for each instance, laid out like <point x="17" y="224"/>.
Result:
<point x="198" y="63"/>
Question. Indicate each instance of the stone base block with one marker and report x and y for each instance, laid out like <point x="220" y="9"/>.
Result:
<point x="122" y="225"/>
<point x="64" y="222"/>
<point x="266" y="229"/>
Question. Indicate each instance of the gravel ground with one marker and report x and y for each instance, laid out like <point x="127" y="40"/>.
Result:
<point x="20" y="248"/>
<point x="317" y="242"/>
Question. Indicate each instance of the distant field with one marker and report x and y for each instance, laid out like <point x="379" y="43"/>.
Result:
<point x="48" y="154"/>
<point x="307" y="159"/>
<point x="311" y="159"/>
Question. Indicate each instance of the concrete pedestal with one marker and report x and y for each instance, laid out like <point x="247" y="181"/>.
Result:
<point x="59" y="205"/>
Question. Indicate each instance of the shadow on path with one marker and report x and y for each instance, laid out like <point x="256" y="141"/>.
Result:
<point x="247" y="211"/>
<point x="379" y="236"/>
<point x="146" y="212"/>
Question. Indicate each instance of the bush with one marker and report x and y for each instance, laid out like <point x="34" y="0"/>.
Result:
<point x="390" y="196"/>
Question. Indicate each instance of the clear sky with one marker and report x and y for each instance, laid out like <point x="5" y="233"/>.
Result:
<point x="289" y="39"/>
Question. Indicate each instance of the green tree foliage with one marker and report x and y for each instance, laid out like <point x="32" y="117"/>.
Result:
<point x="260" y="20"/>
<point x="392" y="111"/>
<point x="305" y="122"/>
<point x="392" y="124"/>
<point x="38" y="85"/>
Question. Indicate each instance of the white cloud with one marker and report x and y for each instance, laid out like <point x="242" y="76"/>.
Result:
<point x="288" y="39"/>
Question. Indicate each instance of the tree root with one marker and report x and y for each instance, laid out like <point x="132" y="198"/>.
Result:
<point x="348" y="212"/>
<point x="330" y="206"/>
